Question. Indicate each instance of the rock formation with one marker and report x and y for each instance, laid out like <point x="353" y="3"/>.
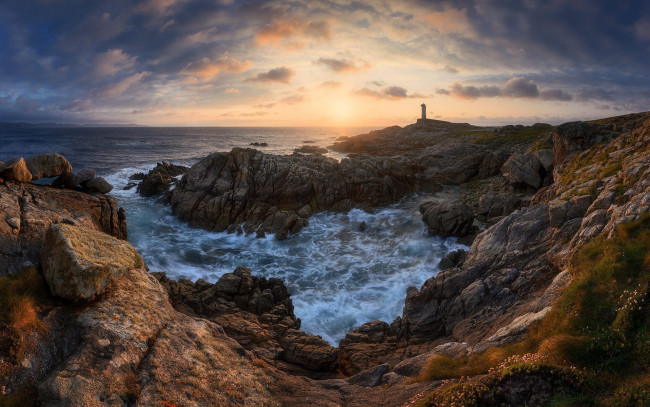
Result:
<point x="79" y="263"/>
<point x="159" y="179"/>
<point x="448" y="218"/>
<point x="28" y="210"/>
<point x="270" y="194"/>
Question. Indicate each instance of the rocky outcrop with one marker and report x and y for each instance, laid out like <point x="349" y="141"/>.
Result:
<point x="160" y="178"/>
<point x="99" y="184"/>
<point x="256" y="312"/>
<point x="447" y="218"/>
<point x="453" y="259"/>
<point x="79" y="263"/>
<point x="492" y="206"/>
<point x="47" y="165"/>
<point x="255" y="192"/>
<point x="574" y="137"/>
<point x="28" y="210"/>
<point x="16" y="170"/>
<point x="310" y="150"/>
<point x="524" y="170"/>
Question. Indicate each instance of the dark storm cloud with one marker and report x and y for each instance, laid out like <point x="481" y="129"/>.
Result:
<point x="276" y="75"/>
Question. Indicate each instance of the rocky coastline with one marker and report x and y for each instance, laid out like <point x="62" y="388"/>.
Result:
<point x="107" y="332"/>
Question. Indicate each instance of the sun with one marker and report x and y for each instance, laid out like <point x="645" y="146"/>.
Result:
<point x="342" y="110"/>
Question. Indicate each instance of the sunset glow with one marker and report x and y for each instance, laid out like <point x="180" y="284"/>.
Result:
<point x="315" y="63"/>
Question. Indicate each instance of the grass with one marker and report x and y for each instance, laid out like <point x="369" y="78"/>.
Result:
<point x="600" y="325"/>
<point x="537" y="137"/>
<point x="20" y="297"/>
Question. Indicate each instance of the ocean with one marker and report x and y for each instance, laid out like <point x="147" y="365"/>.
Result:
<point x="339" y="277"/>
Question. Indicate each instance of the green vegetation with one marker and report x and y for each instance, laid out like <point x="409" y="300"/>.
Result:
<point x="538" y="137"/>
<point x="600" y="326"/>
<point x="20" y="297"/>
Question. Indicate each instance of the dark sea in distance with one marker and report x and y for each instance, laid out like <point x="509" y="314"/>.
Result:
<point x="339" y="277"/>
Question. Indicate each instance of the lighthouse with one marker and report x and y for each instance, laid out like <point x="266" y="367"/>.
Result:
<point x="424" y="111"/>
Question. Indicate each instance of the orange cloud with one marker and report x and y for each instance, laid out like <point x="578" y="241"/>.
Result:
<point x="207" y="69"/>
<point x="278" y="32"/>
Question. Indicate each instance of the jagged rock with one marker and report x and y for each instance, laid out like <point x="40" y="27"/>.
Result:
<point x="159" y="179"/>
<point x="557" y="212"/>
<point x="80" y="263"/>
<point x="453" y="259"/>
<point x="578" y="206"/>
<point x="523" y="169"/>
<point x="66" y="180"/>
<point x="571" y="138"/>
<point x="39" y="206"/>
<point x="447" y="218"/>
<point x="545" y="157"/>
<point x="47" y="165"/>
<point x="137" y="176"/>
<point x="310" y="150"/>
<point x="258" y="313"/>
<point x="16" y="170"/>
<point x="263" y="193"/>
<point x="371" y="377"/>
<point x="99" y="184"/>
<point x="84" y="176"/>
<point x="258" y="144"/>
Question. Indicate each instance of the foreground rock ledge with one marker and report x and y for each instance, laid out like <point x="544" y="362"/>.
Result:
<point x="79" y="263"/>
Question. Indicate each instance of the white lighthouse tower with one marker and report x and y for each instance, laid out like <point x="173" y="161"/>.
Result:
<point x="424" y="111"/>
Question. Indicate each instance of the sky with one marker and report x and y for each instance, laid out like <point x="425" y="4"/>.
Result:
<point x="322" y="63"/>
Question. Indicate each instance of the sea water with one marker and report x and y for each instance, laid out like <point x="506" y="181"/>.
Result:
<point x="339" y="275"/>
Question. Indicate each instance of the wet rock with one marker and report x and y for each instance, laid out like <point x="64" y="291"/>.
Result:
<point x="310" y="150"/>
<point x="99" y="184"/>
<point x="16" y="170"/>
<point x="447" y="218"/>
<point x="160" y="178"/>
<point x="80" y="263"/>
<point x="363" y="226"/>
<point x="264" y="193"/>
<point x="453" y="259"/>
<point x="47" y="165"/>
<point x="258" y="144"/>
<point x="523" y="170"/>
<point x="138" y="176"/>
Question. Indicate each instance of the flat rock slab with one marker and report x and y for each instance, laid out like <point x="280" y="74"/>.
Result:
<point x="79" y="263"/>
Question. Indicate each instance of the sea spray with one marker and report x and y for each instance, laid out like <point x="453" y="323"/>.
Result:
<point x="340" y="274"/>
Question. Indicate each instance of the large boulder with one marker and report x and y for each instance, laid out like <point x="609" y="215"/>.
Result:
<point x="48" y="165"/>
<point x="523" y="170"/>
<point x="447" y="218"/>
<point x="99" y="184"/>
<point x="28" y="210"/>
<point x="16" y="170"/>
<point x="80" y="263"/>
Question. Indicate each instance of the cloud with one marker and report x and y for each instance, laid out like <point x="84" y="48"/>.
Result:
<point x="276" y="75"/>
<point x="378" y="84"/>
<point x="111" y="62"/>
<point x="207" y="69"/>
<point x="391" y="92"/>
<point x="119" y="88"/>
<point x="517" y="87"/>
<point x="294" y="99"/>
<point x="341" y="65"/>
<point x="450" y="69"/>
<point x="555" y="94"/>
<point x="590" y="94"/>
<point x="231" y="90"/>
<point x="473" y="92"/>
<point x="277" y="32"/>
